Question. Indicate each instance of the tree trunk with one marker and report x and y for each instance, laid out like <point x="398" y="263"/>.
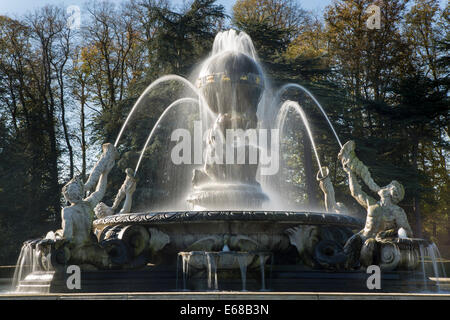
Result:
<point x="65" y="129"/>
<point x="53" y="168"/>
<point x="83" y="134"/>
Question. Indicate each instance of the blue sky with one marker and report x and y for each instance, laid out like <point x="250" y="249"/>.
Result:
<point x="19" y="7"/>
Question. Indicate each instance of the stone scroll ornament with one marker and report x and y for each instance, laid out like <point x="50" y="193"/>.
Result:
<point x="378" y="241"/>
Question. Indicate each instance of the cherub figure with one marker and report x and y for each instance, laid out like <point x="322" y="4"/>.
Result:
<point x="126" y="191"/>
<point x="328" y="190"/>
<point x="384" y="217"/>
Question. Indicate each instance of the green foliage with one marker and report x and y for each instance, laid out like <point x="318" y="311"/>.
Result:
<point x="185" y="37"/>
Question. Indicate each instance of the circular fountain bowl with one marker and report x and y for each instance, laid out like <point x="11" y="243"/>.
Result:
<point x="249" y="231"/>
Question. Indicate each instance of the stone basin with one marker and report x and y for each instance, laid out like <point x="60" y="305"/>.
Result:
<point x="245" y="231"/>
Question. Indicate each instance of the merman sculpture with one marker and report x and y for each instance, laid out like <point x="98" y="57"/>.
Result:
<point x="75" y="238"/>
<point x="384" y="217"/>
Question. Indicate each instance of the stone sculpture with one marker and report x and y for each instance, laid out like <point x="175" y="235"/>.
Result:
<point x="76" y="238"/>
<point x="126" y="191"/>
<point x="305" y="239"/>
<point x="231" y="228"/>
<point x="384" y="217"/>
<point x="328" y="190"/>
<point x="232" y="85"/>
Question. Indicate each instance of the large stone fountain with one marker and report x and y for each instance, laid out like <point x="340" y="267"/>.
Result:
<point x="229" y="237"/>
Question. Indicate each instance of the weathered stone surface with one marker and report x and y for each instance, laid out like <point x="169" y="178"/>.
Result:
<point x="384" y="217"/>
<point x="281" y="217"/>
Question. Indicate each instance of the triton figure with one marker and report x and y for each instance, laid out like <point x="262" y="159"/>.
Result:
<point x="384" y="217"/>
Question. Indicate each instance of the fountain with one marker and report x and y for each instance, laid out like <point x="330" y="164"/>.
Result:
<point x="226" y="239"/>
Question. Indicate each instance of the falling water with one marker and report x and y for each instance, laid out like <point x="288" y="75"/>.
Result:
<point x="435" y="249"/>
<point x="212" y="271"/>
<point x="297" y="86"/>
<point x="262" y="263"/>
<point x="224" y="41"/>
<point x="27" y="263"/>
<point x="177" y="272"/>
<point x="281" y="118"/>
<point x="175" y="103"/>
<point x="242" y="259"/>
<point x="24" y="264"/>
<point x="209" y="275"/>
<point x="171" y="77"/>
<point x="230" y="40"/>
<point x="422" y="259"/>
<point x="185" y="260"/>
<point x="432" y="253"/>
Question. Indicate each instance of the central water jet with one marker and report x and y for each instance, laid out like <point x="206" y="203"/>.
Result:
<point x="232" y="84"/>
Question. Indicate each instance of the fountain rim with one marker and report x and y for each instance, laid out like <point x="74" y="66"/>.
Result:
<point x="224" y="253"/>
<point x="260" y="216"/>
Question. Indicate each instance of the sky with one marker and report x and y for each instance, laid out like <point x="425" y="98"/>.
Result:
<point x="18" y="7"/>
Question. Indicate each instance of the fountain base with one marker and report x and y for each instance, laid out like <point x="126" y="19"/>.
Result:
<point x="287" y="278"/>
<point x="305" y="250"/>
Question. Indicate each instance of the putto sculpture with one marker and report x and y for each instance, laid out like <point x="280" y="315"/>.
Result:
<point x="126" y="191"/>
<point x="327" y="188"/>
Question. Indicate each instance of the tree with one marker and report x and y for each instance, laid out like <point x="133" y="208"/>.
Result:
<point x="395" y="104"/>
<point x="424" y="35"/>
<point x="109" y="38"/>
<point x="30" y="194"/>
<point x="183" y="37"/>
